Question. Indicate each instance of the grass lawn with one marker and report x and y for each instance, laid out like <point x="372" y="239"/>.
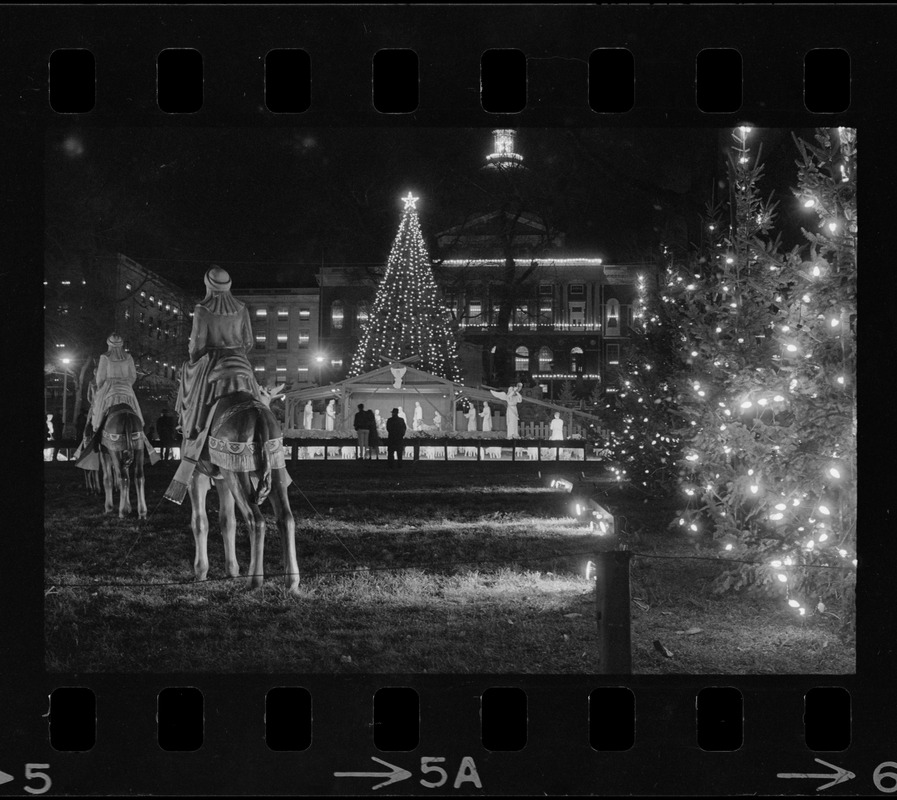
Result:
<point x="443" y="568"/>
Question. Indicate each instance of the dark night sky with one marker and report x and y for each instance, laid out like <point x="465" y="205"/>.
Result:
<point x="265" y="202"/>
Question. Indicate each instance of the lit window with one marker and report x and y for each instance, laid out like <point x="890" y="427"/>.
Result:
<point x="336" y="315"/>
<point x="304" y="313"/>
<point x="474" y="309"/>
<point x="577" y="314"/>
<point x="336" y="363"/>
<point x="303" y="371"/>
<point x="545" y="359"/>
<point x="303" y="340"/>
<point x="521" y="359"/>
<point x="66" y="283"/>
<point x="613" y="354"/>
<point x="546" y="289"/>
<point x="261" y="341"/>
<point x="576" y="289"/>
<point x="261" y="312"/>
<point x="281" y="341"/>
<point x="259" y="368"/>
<point x="283" y="313"/>
<point x="281" y="369"/>
<point x="576" y="359"/>
<point x="521" y="313"/>
<point x="361" y="313"/>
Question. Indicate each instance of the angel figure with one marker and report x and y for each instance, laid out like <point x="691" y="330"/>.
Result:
<point x="513" y="397"/>
<point x="398" y="372"/>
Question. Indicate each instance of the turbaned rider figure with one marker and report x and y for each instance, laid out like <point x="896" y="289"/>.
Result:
<point x="218" y="365"/>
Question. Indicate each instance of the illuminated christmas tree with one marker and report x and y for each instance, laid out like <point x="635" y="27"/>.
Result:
<point x="644" y="417"/>
<point x="407" y="318"/>
<point x="769" y="452"/>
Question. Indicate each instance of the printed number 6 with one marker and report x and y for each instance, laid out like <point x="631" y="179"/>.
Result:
<point x="31" y="771"/>
<point x="885" y="775"/>
<point x="425" y="767"/>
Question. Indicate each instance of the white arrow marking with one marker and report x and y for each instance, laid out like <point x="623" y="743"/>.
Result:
<point x="5" y="778"/>
<point x="397" y="774"/>
<point x="839" y="775"/>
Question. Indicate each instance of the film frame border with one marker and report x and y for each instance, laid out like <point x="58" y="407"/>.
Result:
<point x="557" y="759"/>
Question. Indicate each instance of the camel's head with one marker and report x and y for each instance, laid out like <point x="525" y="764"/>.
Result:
<point x="267" y="395"/>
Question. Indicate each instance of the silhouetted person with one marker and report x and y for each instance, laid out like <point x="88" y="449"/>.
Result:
<point x="395" y="444"/>
<point x="362" y="428"/>
<point x="166" y="433"/>
<point x="373" y="435"/>
<point x="58" y="425"/>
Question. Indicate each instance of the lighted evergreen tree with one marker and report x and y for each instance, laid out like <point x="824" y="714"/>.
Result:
<point x="769" y="448"/>
<point x="407" y="318"/>
<point x="644" y="417"/>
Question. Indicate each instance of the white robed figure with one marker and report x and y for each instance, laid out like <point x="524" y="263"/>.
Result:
<point x="513" y="398"/>
<point x="557" y="428"/>
<point x="418" y="420"/>
<point x="437" y="421"/>
<point x="486" y="414"/>
<point x="471" y="417"/>
<point x="330" y="415"/>
<point x="308" y="416"/>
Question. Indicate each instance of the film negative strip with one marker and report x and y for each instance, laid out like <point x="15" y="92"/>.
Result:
<point x="458" y="628"/>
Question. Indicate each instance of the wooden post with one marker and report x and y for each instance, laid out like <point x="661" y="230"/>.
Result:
<point x="539" y="442"/>
<point x="612" y="601"/>
<point x="295" y="450"/>
<point x="478" y="451"/>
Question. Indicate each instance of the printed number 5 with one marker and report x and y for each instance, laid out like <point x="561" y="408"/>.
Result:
<point x="889" y="775"/>
<point x="425" y="763"/>
<point x="32" y="773"/>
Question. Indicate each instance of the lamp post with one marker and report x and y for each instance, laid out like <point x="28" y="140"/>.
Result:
<point x="320" y="360"/>
<point x="65" y="390"/>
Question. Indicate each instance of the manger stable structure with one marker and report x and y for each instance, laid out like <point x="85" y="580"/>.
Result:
<point x="401" y="386"/>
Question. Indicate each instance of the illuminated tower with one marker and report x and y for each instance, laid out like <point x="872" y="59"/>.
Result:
<point x="504" y="155"/>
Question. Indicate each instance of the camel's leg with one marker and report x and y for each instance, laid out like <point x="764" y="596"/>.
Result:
<point x="241" y="489"/>
<point x="109" y="470"/>
<point x="199" y="522"/>
<point x="123" y="473"/>
<point x="287" y="527"/>
<point x="140" y="483"/>
<point x="227" y="520"/>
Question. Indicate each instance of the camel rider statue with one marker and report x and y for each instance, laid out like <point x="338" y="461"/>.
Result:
<point x="115" y="377"/>
<point x="217" y="367"/>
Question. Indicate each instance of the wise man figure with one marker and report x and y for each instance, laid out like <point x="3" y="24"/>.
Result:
<point x="218" y="363"/>
<point x="513" y="397"/>
<point x="471" y="417"/>
<point x="116" y="375"/>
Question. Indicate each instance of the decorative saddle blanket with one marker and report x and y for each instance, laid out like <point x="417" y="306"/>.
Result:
<point x="241" y="456"/>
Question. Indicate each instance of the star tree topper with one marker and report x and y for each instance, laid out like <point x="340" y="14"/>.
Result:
<point x="410" y="200"/>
